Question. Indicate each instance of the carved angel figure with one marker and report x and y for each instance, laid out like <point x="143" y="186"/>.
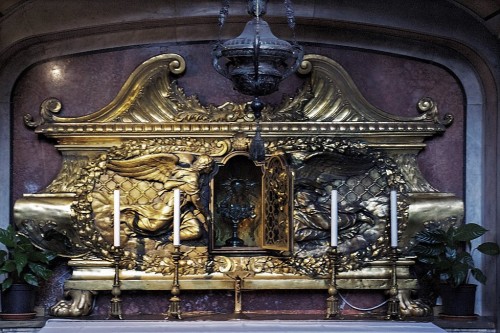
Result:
<point x="358" y="221"/>
<point x="312" y="217"/>
<point x="182" y="171"/>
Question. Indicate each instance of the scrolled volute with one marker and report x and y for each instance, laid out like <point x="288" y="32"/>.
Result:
<point x="48" y="108"/>
<point x="431" y="112"/>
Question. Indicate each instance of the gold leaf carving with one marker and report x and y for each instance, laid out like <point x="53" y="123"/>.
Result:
<point x="68" y="176"/>
<point x="130" y="164"/>
<point x="430" y="112"/>
<point x="408" y="166"/>
<point x="48" y="108"/>
<point x="151" y="96"/>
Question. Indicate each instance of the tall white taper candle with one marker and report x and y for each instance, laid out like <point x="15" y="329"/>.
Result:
<point x="116" y="218"/>
<point x="394" y="219"/>
<point x="177" y="216"/>
<point x="334" y="219"/>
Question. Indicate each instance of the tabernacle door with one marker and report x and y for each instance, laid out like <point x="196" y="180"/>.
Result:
<point x="277" y="192"/>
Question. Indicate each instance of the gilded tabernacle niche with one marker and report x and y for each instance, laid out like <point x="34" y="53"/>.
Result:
<point x="243" y="224"/>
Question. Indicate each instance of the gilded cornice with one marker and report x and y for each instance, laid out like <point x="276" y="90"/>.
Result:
<point x="151" y="104"/>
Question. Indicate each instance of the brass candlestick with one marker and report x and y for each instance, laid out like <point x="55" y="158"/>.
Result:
<point x="115" y="311"/>
<point x="332" y="302"/>
<point x="393" y="311"/>
<point x="174" y="309"/>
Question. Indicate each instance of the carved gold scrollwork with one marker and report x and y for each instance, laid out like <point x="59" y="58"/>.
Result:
<point x="151" y="96"/>
<point x="240" y="142"/>
<point x="48" y="108"/>
<point x="76" y="303"/>
<point x="159" y="260"/>
<point x="291" y="108"/>
<point x="430" y="112"/>
<point x="152" y="73"/>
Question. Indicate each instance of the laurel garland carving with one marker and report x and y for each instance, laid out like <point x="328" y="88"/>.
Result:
<point x="68" y="177"/>
<point x="196" y="261"/>
<point x="408" y="166"/>
<point x="163" y="101"/>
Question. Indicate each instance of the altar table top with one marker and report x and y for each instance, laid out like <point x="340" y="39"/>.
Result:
<point x="236" y="326"/>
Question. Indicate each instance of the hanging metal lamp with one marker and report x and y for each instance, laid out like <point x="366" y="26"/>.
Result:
<point x="257" y="61"/>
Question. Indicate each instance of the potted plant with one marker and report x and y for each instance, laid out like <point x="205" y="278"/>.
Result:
<point x="23" y="266"/>
<point x="446" y="256"/>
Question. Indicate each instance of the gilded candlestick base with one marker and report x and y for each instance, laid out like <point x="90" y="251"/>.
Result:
<point x="115" y="311"/>
<point x="332" y="302"/>
<point x="333" y="305"/>
<point x="393" y="309"/>
<point x="174" y="308"/>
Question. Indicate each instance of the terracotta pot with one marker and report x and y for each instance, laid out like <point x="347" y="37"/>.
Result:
<point x="19" y="298"/>
<point x="458" y="301"/>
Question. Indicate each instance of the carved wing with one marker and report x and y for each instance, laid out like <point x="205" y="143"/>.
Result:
<point x="155" y="167"/>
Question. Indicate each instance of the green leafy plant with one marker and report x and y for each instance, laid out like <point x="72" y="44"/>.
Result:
<point x="446" y="256"/>
<point x="22" y="262"/>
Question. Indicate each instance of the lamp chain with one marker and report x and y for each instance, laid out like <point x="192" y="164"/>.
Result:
<point x="224" y="12"/>
<point x="290" y="15"/>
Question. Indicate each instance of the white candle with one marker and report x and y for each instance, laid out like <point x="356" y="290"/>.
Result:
<point x="177" y="216"/>
<point x="394" y="219"/>
<point x="334" y="219"/>
<point x="116" y="218"/>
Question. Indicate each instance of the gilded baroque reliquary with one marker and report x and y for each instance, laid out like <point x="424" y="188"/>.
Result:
<point x="266" y="223"/>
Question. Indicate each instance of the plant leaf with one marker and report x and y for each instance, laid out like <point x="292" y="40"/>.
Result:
<point x="451" y="253"/>
<point x="459" y="273"/>
<point x="468" y="232"/>
<point x="8" y="267"/>
<point x="427" y="260"/>
<point x="7" y="237"/>
<point x="428" y="250"/>
<point x="6" y="283"/>
<point x="43" y="257"/>
<point x="489" y="248"/>
<point x="443" y="266"/>
<point x="31" y="279"/>
<point x="444" y="277"/>
<point x="478" y="275"/>
<point x="436" y="236"/>
<point x="466" y="259"/>
<point x="3" y="255"/>
<point x="21" y="260"/>
<point x="40" y="270"/>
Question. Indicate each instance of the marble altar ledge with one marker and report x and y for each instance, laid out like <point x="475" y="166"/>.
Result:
<point x="236" y="326"/>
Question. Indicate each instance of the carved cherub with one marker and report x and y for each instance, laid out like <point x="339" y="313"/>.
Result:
<point x="182" y="171"/>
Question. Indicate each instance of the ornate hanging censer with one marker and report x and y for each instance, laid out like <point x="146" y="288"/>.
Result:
<point x="257" y="61"/>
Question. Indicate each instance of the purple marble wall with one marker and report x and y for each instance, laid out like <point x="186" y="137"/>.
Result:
<point x="87" y="82"/>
